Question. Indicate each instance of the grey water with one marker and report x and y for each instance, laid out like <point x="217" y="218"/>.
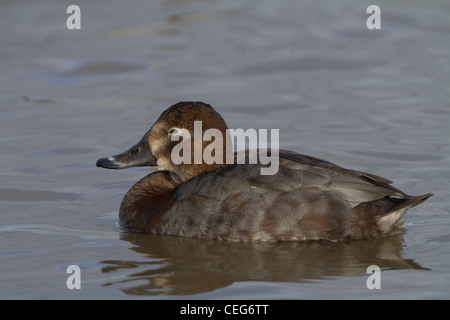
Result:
<point x="372" y="100"/>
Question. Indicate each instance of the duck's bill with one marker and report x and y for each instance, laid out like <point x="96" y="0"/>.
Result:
<point x="138" y="156"/>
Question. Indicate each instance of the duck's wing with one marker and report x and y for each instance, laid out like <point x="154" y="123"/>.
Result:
<point x="371" y="197"/>
<point x="295" y="171"/>
<point x="354" y="186"/>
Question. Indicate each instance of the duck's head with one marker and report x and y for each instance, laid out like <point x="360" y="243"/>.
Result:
<point x="173" y="126"/>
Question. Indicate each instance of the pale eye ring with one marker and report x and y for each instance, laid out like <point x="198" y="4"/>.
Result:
<point x="174" y="131"/>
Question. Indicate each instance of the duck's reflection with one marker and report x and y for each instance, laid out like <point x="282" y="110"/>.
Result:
<point x="175" y="266"/>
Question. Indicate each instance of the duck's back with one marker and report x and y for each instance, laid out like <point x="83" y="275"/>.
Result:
<point x="307" y="199"/>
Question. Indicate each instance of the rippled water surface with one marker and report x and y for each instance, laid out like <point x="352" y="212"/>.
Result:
<point x="371" y="100"/>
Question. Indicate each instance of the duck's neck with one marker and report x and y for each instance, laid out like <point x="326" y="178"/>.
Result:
<point x="145" y="203"/>
<point x="189" y="171"/>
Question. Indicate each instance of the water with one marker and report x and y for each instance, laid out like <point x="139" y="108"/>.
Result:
<point x="377" y="101"/>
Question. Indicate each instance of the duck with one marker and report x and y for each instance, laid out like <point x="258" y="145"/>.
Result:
<point x="307" y="198"/>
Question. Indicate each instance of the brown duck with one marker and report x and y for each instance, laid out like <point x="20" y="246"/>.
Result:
<point x="306" y="199"/>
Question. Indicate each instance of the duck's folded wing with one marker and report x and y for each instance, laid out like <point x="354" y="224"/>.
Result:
<point x="354" y="186"/>
<point x="295" y="171"/>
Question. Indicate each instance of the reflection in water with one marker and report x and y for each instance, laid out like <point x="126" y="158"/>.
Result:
<point x="175" y="266"/>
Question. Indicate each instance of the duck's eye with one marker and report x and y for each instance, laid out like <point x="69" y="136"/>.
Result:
<point x="174" y="131"/>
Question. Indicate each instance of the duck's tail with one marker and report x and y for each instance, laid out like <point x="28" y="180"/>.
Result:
<point x="388" y="221"/>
